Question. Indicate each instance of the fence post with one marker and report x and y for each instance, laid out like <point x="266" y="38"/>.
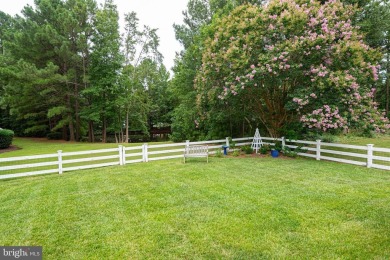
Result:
<point x="188" y="143"/>
<point x="283" y="142"/>
<point x="369" y="155"/>
<point x="120" y="155"/>
<point x="124" y="155"/>
<point x="227" y="141"/>
<point x="59" y="161"/>
<point x="145" y="153"/>
<point x="318" y="150"/>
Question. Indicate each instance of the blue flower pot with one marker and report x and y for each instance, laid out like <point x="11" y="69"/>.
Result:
<point x="274" y="153"/>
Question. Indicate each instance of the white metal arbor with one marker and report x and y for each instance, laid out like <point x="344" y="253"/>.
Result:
<point x="257" y="142"/>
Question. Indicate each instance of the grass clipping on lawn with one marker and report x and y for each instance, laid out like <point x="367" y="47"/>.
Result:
<point x="229" y="208"/>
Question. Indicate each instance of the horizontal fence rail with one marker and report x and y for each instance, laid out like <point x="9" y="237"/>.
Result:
<point x="60" y="162"/>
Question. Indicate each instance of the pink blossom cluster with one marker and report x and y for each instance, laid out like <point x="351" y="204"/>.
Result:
<point x="374" y="70"/>
<point x="322" y="65"/>
<point x="324" y="118"/>
<point x="196" y="123"/>
<point x="301" y="102"/>
<point x="320" y="71"/>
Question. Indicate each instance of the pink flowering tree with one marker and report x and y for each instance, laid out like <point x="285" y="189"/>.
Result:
<point x="292" y="61"/>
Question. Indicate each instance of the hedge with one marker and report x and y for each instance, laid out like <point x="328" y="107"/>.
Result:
<point x="6" y="137"/>
<point x="54" y="136"/>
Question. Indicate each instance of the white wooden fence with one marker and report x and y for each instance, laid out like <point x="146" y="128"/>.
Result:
<point x="70" y="161"/>
<point x="369" y="156"/>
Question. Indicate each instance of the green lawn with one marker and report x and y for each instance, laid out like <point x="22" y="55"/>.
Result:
<point x="382" y="141"/>
<point x="30" y="146"/>
<point x="235" y="208"/>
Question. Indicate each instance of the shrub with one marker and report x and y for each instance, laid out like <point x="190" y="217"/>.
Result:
<point x="329" y="138"/>
<point x="247" y="149"/>
<point x="236" y="153"/>
<point x="6" y="137"/>
<point x="54" y="136"/>
<point x="312" y="136"/>
<point x="278" y="146"/>
<point x="264" y="149"/>
<point x="218" y="153"/>
<point x="232" y="144"/>
<point x="287" y="151"/>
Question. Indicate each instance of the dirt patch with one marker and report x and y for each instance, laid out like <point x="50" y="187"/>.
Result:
<point x="254" y="155"/>
<point x="9" y="149"/>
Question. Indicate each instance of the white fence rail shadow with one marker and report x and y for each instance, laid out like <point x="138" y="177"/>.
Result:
<point x="369" y="156"/>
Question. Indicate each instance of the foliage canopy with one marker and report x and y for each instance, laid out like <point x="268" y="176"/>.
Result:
<point x="292" y="61"/>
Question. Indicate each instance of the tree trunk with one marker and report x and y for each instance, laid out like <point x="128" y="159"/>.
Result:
<point x="65" y="133"/>
<point x="104" y="130"/>
<point x="387" y="84"/>
<point x="127" y="126"/>
<point x="71" y="125"/>
<point x="71" y="128"/>
<point x="91" y="134"/>
<point x="387" y="94"/>
<point x="77" y="111"/>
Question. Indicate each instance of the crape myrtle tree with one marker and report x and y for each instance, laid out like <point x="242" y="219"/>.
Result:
<point x="185" y="125"/>
<point x="291" y="61"/>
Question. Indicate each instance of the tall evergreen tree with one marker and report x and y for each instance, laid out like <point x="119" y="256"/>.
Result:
<point x="55" y="33"/>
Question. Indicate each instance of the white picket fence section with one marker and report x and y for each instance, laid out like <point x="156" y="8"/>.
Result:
<point x="61" y="162"/>
<point x="323" y="151"/>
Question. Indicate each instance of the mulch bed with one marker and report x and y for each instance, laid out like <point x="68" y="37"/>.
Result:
<point x="9" y="149"/>
<point x="254" y="155"/>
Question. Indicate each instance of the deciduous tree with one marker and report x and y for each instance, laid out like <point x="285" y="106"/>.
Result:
<point x="292" y="61"/>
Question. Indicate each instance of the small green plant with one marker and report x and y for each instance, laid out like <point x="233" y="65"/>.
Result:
<point x="6" y="137"/>
<point x="236" y="153"/>
<point x="218" y="153"/>
<point x="247" y="149"/>
<point x="264" y="149"/>
<point x="287" y="151"/>
<point x="278" y="146"/>
<point x="312" y="136"/>
<point x="329" y="138"/>
<point x="232" y="144"/>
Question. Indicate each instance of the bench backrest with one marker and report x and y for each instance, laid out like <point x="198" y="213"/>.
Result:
<point x="196" y="149"/>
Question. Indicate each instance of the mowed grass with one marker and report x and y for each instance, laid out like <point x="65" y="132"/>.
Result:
<point x="382" y="141"/>
<point x="37" y="146"/>
<point x="233" y="208"/>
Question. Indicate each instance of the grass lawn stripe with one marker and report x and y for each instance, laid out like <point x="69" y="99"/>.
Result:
<point x="237" y="208"/>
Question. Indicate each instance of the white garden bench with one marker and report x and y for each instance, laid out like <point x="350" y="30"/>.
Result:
<point x="196" y="151"/>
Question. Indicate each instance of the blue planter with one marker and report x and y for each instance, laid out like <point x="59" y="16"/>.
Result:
<point x="274" y="153"/>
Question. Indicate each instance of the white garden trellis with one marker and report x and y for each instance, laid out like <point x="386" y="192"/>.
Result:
<point x="257" y="142"/>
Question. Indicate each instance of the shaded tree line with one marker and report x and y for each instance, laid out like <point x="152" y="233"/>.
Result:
<point x="67" y="72"/>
